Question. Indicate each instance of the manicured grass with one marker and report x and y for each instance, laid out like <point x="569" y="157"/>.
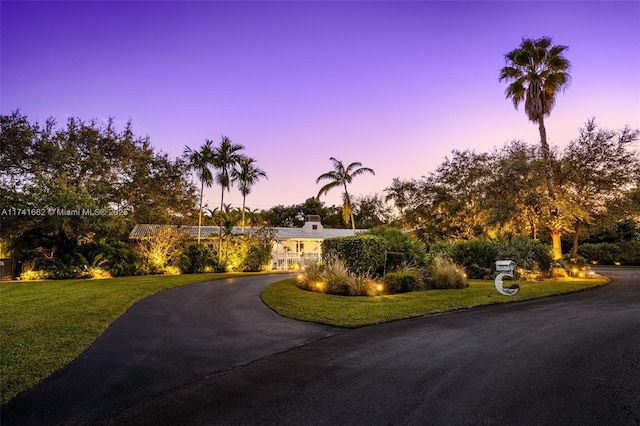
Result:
<point x="344" y="311"/>
<point x="45" y="325"/>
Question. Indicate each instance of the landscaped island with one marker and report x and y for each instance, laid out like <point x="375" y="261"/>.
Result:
<point x="288" y="300"/>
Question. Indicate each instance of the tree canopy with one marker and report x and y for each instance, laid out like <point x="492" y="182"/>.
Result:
<point x="62" y="185"/>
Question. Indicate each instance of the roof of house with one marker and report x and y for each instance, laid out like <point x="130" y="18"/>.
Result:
<point x="282" y="233"/>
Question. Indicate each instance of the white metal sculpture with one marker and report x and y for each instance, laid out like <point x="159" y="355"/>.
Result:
<point x="506" y="269"/>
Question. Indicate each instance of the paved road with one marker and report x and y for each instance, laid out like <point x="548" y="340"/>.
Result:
<point x="169" y="339"/>
<point x="566" y="360"/>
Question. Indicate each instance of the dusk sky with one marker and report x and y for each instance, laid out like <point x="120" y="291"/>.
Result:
<point x="394" y="85"/>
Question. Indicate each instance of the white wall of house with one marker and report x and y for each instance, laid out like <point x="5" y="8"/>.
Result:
<point x="291" y="253"/>
<point x="292" y="247"/>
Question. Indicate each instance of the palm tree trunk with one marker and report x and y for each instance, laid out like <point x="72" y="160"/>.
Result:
<point x="220" y="226"/>
<point x="348" y="200"/>
<point x="553" y="207"/>
<point x="200" y="211"/>
<point x="546" y="157"/>
<point x="243" y="204"/>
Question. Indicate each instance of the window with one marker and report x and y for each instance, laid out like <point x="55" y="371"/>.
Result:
<point x="314" y="227"/>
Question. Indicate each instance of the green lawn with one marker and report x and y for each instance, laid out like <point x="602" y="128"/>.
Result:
<point x="344" y="311"/>
<point x="45" y="325"/>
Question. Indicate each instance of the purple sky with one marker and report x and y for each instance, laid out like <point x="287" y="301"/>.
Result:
<point x="394" y="85"/>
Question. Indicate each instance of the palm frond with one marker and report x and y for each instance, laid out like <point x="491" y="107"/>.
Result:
<point x="536" y="71"/>
<point x="329" y="187"/>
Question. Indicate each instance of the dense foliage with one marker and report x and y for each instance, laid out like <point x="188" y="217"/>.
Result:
<point x="403" y="249"/>
<point x="481" y="195"/>
<point x="402" y="281"/>
<point x="63" y="185"/>
<point x="361" y="253"/>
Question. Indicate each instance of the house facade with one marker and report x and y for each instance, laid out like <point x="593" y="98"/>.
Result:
<point x="292" y="247"/>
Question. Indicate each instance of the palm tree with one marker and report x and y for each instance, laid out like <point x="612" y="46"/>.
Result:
<point x="199" y="161"/>
<point x="225" y="158"/>
<point x="536" y="71"/>
<point x="400" y="192"/>
<point x="341" y="176"/>
<point x="247" y="175"/>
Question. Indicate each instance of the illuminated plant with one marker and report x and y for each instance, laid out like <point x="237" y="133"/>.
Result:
<point x="93" y="269"/>
<point x="160" y="248"/>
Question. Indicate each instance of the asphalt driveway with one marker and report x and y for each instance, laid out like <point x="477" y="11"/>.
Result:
<point x="566" y="360"/>
<point x="165" y="341"/>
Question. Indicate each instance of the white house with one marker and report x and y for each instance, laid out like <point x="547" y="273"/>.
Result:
<point x="291" y="246"/>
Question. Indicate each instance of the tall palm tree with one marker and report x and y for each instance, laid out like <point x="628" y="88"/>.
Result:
<point x="226" y="157"/>
<point x="247" y="174"/>
<point x="536" y="72"/>
<point x="200" y="161"/>
<point x="341" y="176"/>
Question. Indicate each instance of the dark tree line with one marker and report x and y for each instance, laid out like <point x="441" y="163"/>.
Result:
<point x="86" y="180"/>
<point x="61" y="185"/>
<point x="475" y="194"/>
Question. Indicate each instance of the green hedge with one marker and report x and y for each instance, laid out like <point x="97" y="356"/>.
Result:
<point x="361" y="253"/>
<point x="625" y="253"/>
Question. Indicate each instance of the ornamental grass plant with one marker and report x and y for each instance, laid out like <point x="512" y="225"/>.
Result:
<point x="446" y="275"/>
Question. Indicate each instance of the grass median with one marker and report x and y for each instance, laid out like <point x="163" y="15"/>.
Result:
<point x="285" y="298"/>
<point x="45" y="325"/>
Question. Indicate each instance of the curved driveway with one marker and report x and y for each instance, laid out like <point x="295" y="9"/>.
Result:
<point x="571" y="359"/>
<point x="167" y="340"/>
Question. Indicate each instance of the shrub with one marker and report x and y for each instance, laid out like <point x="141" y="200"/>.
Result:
<point x="63" y="271"/>
<point x="171" y="270"/>
<point x="33" y="275"/>
<point x="194" y="258"/>
<point x="445" y="274"/>
<point x="362" y="284"/>
<point x="29" y="271"/>
<point x="410" y="250"/>
<point x="442" y="248"/>
<point x="334" y="277"/>
<point x="309" y="277"/>
<point x="402" y="281"/>
<point x="161" y="249"/>
<point x="120" y="259"/>
<point x="558" y="271"/>
<point x="532" y="257"/>
<point x="624" y="253"/>
<point x="360" y="253"/>
<point x="476" y="256"/>
<point x="93" y="269"/>
<point x="257" y="256"/>
<point x="631" y="250"/>
<point x="249" y="252"/>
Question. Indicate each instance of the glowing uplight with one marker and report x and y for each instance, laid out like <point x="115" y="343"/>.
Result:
<point x="617" y="263"/>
